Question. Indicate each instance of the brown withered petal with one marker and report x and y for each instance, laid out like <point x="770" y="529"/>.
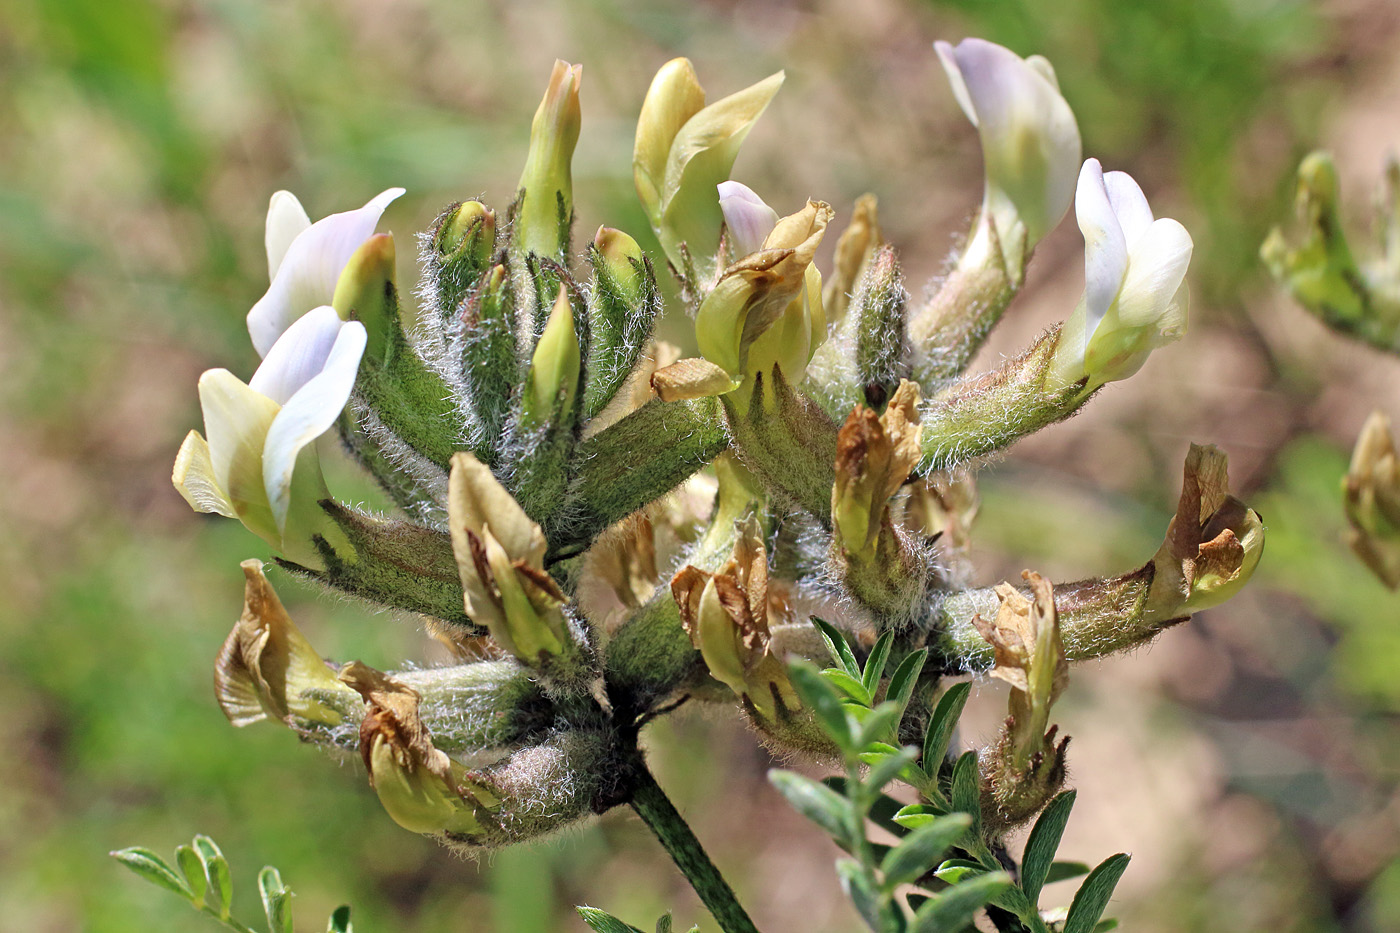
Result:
<point x="690" y="379"/>
<point x="1205" y="488"/>
<point x="392" y="715"/>
<point x="749" y="567"/>
<point x="543" y="591"/>
<point x="686" y="588"/>
<point x="234" y="684"/>
<point x="1011" y="636"/>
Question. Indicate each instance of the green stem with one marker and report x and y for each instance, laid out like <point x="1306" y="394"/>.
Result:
<point x="657" y="811"/>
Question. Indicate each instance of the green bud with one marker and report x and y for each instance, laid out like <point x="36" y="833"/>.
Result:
<point x="365" y="292"/>
<point x="545" y="203"/>
<point x="1371" y="493"/>
<point x="463" y="243"/>
<point x="882" y="349"/>
<point x="555" y="366"/>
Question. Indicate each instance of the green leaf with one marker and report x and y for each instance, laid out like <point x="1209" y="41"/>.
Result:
<point x="956" y="869"/>
<point x="217" y="873"/>
<point x="954" y="909"/>
<point x="1104" y="926"/>
<point x="917" y="900"/>
<point x="340" y="921"/>
<point x="154" y="869"/>
<point x="193" y="869"/>
<point x="878" y="724"/>
<point x="921" y="850"/>
<point x="967" y="794"/>
<point x="839" y="647"/>
<point x="875" y="664"/>
<point x="918" y="814"/>
<point x="604" y="922"/>
<point x="941" y="725"/>
<point x="820" y="697"/>
<point x="1092" y="896"/>
<point x="1042" y="843"/>
<point x="882" y="809"/>
<point x="860" y="888"/>
<point x="886" y="763"/>
<point x="848" y="685"/>
<point x="818" y="803"/>
<point x="1064" y="871"/>
<point x="905" y="677"/>
<point x="276" y="899"/>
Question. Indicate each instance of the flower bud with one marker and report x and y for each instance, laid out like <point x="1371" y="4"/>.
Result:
<point x="874" y="456"/>
<point x="555" y="366"/>
<point x="1135" y="295"/>
<point x="1371" y="492"/>
<point x="462" y="246"/>
<point x="683" y="150"/>
<point x="1030" y="145"/>
<point x="766" y="308"/>
<point x="500" y="557"/>
<point x="1212" y="546"/>
<point x="545" y="211"/>
<point x="365" y="293"/>
<point x="268" y="668"/>
<point x="423" y="789"/>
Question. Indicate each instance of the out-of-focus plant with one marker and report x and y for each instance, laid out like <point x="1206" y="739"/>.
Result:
<point x="203" y="878"/>
<point x="1359" y="298"/>
<point x="531" y="431"/>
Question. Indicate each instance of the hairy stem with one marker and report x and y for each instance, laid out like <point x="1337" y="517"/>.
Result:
<point x="657" y="811"/>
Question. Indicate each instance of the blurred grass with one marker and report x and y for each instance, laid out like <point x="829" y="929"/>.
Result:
<point x="139" y="141"/>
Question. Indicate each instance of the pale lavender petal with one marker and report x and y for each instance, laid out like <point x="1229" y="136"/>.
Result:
<point x="948" y="56"/>
<point x="748" y="219"/>
<point x="1130" y="204"/>
<point x="298" y="355"/>
<point x="286" y="220"/>
<point x="1105" y="251"/>
<point x="307" y="275"/>
<point x="309" y="413"/>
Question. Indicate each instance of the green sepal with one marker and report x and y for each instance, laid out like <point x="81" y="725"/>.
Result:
<point x="412" y="401"/>
<point x="396" y="563"/>
<point x="488" y="356"/>
<point x="457" y="251"/>
<point x="630" y="464"/>
<point x="623" y="303"/>
<point x="789" y="441"/>
<point x="882" y="348"/>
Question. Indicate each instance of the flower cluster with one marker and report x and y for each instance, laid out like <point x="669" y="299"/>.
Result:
<point x="547" y="455"/>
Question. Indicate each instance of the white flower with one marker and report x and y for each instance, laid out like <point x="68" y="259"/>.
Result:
<point x="259" y="464"/>
<point x="1135" y="295"/>
<point x="1030" y="143"/>
<point x="747" y="218"/>
<point x="304" y="260"/>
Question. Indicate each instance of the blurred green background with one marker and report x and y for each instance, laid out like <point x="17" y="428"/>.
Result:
<point x="1249" y="760"/>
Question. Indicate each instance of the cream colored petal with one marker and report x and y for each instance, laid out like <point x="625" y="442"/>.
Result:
<point x="236" y="421"/>
<point x="476" y="498"/>
<point x="195" y="479"/>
